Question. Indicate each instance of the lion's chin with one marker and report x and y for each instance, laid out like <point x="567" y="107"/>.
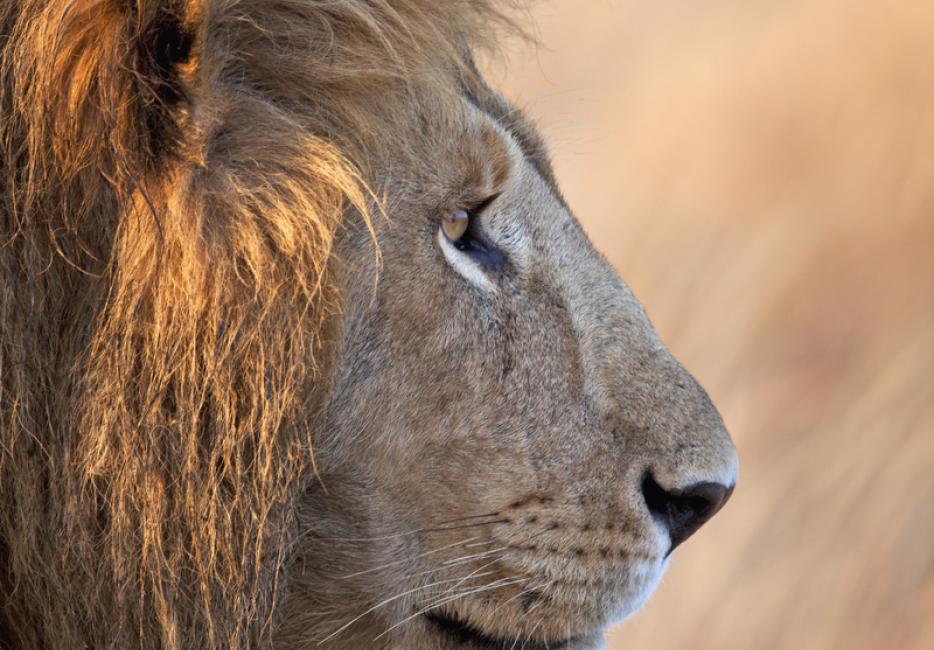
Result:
<point x="646" y="577"/>
<point x="466" y="628"/>
<point x="453" y="632"/>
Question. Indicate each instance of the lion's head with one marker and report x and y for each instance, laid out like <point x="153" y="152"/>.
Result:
<point x="302" y="346"/>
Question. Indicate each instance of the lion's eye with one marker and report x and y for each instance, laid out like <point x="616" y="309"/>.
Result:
<point x="462" y="231"/>
<point x="455" y="225"/>
<point x="459" y="226"/>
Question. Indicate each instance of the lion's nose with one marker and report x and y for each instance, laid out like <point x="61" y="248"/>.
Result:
<point x="683" y="510"/>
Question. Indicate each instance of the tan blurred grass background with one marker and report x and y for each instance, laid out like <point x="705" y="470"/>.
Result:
<point x="762" y="174"/>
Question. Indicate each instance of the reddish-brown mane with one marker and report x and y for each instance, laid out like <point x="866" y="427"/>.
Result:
<point x="173" y="172"/>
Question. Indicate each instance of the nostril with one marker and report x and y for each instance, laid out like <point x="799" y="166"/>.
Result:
<point x="683" y="510"/>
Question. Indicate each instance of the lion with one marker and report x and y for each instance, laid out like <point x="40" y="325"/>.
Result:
<point x="302" y="346"/>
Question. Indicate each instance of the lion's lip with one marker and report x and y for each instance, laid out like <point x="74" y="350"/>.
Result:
<point x="467" y="634"/>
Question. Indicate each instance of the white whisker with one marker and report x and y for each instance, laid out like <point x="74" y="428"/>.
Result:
<point x="435" y="570"/>
<point x="534" y="607"/>
<point x="479" y="544"/>
<point x="472" y="574"/>
<point x="424" y="529"/>
<point x="532" y="631"/>
<point x="381" y="604"/>
<point x="543" y="585"/>
<point x="407" y="559"/>
<point x="513" y="646"/>
<point x="475" y="556"/>
<point x="504" y="582"/>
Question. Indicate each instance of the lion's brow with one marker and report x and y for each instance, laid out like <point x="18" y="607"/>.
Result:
<point x="533" y="149"/>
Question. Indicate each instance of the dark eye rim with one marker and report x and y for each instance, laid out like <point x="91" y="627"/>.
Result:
<point x="474" y="241"/>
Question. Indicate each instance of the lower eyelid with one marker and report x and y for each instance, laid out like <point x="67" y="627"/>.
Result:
<point x="465" y="265"/>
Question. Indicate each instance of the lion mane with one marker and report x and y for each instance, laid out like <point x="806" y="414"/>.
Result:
<point x="173" y="175"/>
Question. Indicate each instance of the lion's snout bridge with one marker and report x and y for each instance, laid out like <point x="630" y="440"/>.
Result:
<point x="670" y="459"/>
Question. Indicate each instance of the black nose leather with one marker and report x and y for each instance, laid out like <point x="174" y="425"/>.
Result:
<point x="684" y="510"/>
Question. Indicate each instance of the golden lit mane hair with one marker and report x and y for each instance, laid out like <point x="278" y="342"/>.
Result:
<point x="173" y="174"/>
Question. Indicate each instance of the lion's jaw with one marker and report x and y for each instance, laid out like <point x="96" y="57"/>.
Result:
<point x="492" y="427"/>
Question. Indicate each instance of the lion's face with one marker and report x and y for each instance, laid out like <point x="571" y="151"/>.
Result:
<point x="486" y="444"/>
<point x="510" y="451"/>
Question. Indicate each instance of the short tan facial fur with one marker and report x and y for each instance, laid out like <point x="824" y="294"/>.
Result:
<point x="488" y="440"/>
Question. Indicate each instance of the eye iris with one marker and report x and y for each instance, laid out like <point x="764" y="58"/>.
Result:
<point x="455" y="224"/>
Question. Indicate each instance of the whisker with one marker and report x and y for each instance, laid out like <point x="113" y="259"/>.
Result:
<point x="543" y="585"/>
<point x="474" y="556"/>
<point x="454" y="521"/>
<point x="380" y="538"/>
<point x="513" y="646"/>
<point x="439" y="526"/>
<point x="532" y="631"/>
<point x="381" y="604"/>
<point x="446" y="564"/>
<point x="479" y="544"/>
<point x="534" y="607"/>
<point x="482" y="523"/>
<point x="504" y="582"/>
<point x="407" y="559"/>
<point x="472" y="574"/>
<point x="435" y="570"/>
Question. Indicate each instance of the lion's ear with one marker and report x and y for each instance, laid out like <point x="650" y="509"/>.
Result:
<point x="124" y="73"/>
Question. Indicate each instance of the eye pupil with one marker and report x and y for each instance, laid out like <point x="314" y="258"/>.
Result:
<point x="455" y="224"/>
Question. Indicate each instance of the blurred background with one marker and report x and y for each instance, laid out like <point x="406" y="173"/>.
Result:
<point x="762" y="175"/>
